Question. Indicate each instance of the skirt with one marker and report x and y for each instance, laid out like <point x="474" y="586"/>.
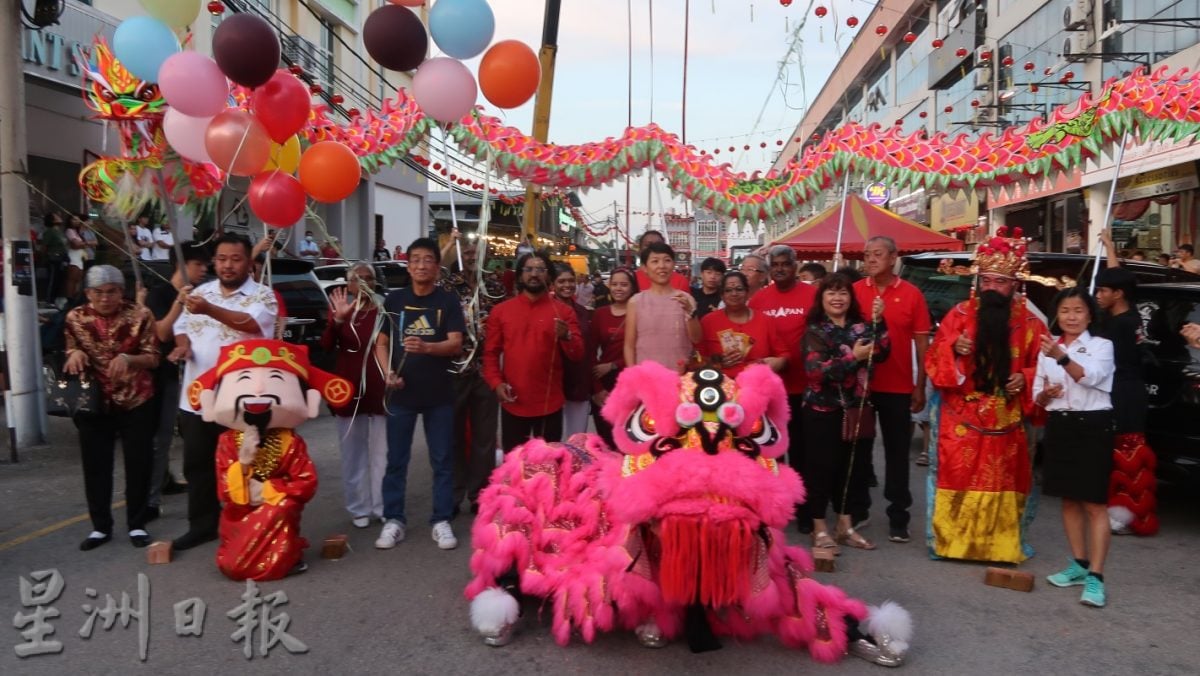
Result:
<point x="1078" y="462"/>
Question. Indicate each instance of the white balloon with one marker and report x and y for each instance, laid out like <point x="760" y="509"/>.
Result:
<point x="186" y="135"/>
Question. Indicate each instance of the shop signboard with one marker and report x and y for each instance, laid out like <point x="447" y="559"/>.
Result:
<point x="877" y="193"/>
<point x="1158" y="182"/>
<point x="952" y="211"/>
<point x="49" y="54"/>
<point x="914" y="206"/>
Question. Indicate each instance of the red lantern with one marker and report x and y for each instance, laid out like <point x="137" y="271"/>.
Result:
<point x="985" y="55"/>
<point x="296" y="69"/>
<point x="816" y="137"/>
<point x="732" y="149"/>
<point x="899" y="123"/>
<point x="717" y="151"/>
<point x="337" y="99"/>
<point x="974" y="103"/>
<point x="779" y="142"/>
<point x="1069" y="75"/>
<point x="820" y="11"/>
<point x="763" y="144"/>
<point x="852" y="21"/>
<point x="949" y="109"/>
<point x="1029" y="66"/>
<point x="354" y="112"/>
<point x="785" y="3"/>
<point x="961" y="52"/>
<point x="937" y="43"/>
<point x="1006" y="61"/>
<point x="216" y="8"/>
<point x="910" y="37"/>
<point x="1047" y="71"/>
<point x="315" y="88"/>
<point x="922" y="114"/>
<point x="746" y="147"/>
<point x="881" y="30"/>
<point x="1033" y="88"/>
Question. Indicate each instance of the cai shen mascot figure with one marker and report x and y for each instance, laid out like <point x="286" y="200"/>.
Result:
<point x="679" y="534"/>
<point x="260" y="390"/>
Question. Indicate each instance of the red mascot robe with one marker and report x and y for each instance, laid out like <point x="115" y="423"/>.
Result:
<point x="262" y="542"/>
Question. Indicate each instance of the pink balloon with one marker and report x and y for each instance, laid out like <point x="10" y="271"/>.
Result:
<point x="192" y="83"/>
<point x="186" y="135"/>
<point x="445" y="89"/>
<point x="237" y="143"/>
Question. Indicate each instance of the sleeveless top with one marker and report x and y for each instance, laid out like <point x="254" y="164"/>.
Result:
<point x="662" y="332"/>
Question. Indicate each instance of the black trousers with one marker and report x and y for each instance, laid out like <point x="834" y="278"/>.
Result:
<point x="200" y="470"/>
<point x="796" y="445"/>
<point x="477" y="409"/>
<point x="603" y="428"/>
<point x="827" y="463"/>
<point x="895" y="426"/>
<point x="98" y="435"/>
<point x="516" y="430"/>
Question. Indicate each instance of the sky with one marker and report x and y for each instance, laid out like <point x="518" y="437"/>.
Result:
<point x="734" y="52"/>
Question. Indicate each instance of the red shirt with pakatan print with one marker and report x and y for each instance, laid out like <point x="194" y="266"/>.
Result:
<point x="788" y="311"/>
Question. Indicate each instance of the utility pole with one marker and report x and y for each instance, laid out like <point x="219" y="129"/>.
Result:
<point x="541" y="107"/>
<point x="24" y="405"/>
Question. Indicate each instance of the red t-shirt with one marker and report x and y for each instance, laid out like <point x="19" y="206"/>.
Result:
<point x="788" y="310"/>
<point x="907" y="315"/>
<point x="758" y="334"/>
<point x="678" y="281"/>
<point x="608" y="334"/>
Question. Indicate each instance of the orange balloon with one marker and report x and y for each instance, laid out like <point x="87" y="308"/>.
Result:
<point x="329" y="171"/>
<point x="237" y="143"/>
<point x="509" y="73"/>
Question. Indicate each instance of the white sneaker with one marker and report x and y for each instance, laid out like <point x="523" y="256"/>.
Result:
<point x="444" y="536"/>
<point x="392" y="534"/>
<point x="361" y="521"/>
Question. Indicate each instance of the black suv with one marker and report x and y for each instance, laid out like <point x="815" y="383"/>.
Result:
<point x="1167" y="298"/>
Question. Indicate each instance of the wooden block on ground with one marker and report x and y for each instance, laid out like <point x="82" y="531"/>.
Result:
<point x="823" y="560"/>
<point x="335" y="547"/>
<point x="159" y="552"/>
<point x="1008" y="578"/>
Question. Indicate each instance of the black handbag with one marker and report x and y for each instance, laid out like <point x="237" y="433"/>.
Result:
<point x="68" y="395"/>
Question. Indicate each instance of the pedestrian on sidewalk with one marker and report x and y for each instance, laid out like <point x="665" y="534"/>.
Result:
<point x="421" y="338"/>
<point x="113" y="341"/>
<point x="361" y="422"/>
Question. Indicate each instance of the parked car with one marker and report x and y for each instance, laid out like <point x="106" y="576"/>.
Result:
<point x="1167" y="298"/>
<point x="389" y="275"/>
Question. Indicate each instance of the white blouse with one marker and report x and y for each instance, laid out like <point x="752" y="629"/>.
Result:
<point x="1090" y="393"/>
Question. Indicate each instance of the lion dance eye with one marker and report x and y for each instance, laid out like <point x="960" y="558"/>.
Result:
<point x="764" y="433"/>
<point x="640" y="427"/>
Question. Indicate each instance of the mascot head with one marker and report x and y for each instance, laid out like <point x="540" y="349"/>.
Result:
<point x="265" y="384"/>
<point x="700" y="471"/>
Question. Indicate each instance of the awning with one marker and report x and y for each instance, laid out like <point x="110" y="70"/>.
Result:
<point x="818" y="235"/>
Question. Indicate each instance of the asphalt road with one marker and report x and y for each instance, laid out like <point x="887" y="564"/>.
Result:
<point x="402" y="610"/>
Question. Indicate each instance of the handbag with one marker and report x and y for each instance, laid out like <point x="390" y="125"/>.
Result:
<point x="858" y="422"/>
<point x="68" y="395"/>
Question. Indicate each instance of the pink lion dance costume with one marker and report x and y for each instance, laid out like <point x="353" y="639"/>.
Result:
<point x="678" y="534"/>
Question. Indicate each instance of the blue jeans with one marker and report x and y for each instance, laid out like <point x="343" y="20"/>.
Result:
<point x="439" y="436"/>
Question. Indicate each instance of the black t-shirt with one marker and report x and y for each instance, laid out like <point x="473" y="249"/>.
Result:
<point x="1129" y="396"/>
<point x="159" y="300"/>
<point x="706" y="302"/>
<point x="427" y="378"/>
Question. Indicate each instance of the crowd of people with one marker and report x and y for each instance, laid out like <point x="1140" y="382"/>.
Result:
<point x="486" y="368"/>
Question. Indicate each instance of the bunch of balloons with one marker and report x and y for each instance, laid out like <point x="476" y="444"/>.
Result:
<point x="200" y="124"/>
<point x="509" y="72"/>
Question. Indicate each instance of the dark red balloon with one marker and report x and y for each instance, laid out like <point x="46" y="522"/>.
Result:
<point x="277" y="198"/>
<point x="247" y="49"/>
<point x="395" y="38"/>
<point x="282" y="105"/>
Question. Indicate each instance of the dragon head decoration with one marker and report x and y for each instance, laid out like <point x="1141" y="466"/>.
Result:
<point x="678" y="532"/>
<point x="115" y="93"/>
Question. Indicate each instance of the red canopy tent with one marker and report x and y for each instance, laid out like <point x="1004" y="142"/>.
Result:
<point x="818" y="235"/>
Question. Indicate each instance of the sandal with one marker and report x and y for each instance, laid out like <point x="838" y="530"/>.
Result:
<point x="821" y="540"/>
<point x="851" y="538"/>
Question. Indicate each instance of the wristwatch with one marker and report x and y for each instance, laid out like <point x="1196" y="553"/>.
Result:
<point x="1064" y="360"/>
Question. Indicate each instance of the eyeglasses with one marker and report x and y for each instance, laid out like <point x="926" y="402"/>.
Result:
<point x="533" y="271"/>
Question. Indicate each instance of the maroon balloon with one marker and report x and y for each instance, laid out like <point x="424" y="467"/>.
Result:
<point x="282" y="105"/>
<point x="247" y="49"/>
<point x="277" y="198"/>
<point x="395" y="38"/>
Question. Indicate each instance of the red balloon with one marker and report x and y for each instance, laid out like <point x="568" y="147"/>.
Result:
<point x="277" y="198"/>
<point x="282" y="105"/>
<point x="329" y="171"/>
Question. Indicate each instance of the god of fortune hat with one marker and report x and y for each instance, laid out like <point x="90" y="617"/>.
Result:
<point x="272" y="354"/>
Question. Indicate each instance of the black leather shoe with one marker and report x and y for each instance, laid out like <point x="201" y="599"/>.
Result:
<point x="140" y="541"/>
<point x="91" y="543"/>
<point x="173" y="487"/>
<point x="192" y="539"/>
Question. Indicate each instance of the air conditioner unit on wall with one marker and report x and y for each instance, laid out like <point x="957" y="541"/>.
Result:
<point x="1076" y="46"/>
<point x="1077" y="16"/>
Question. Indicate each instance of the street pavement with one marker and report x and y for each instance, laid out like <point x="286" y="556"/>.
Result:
<point x="403" y="610"/>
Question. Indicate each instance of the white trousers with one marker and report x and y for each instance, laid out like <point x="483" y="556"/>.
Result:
<point x="363" y="441"/>
<point x="575" y="417"/>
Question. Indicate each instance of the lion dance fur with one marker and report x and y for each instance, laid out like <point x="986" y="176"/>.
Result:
<point x="689" y="513"/>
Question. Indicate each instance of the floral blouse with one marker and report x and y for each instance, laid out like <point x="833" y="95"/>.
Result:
<point x="130" y="330"/>
<point x="835" y="377"/>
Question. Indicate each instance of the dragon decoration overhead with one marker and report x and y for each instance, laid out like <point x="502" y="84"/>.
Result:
<point x="129" y="181"/>
<point x="1155" y="106"/>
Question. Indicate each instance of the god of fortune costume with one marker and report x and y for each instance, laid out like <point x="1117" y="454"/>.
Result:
<point x="264" y="474"/>
<point x="981" y="475"/>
